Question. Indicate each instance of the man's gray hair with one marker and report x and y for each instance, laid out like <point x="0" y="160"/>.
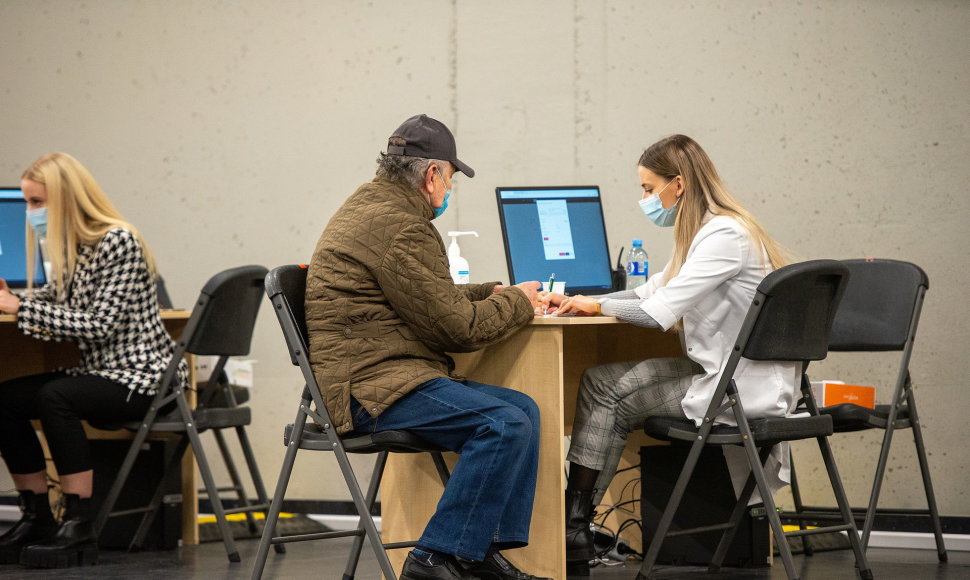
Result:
<point x="405" y="169"/>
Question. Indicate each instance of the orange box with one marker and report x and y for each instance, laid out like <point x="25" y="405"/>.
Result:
<point x="829" y="393"/>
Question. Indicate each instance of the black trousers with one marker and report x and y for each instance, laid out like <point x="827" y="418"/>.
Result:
<point x="60" y="401"/>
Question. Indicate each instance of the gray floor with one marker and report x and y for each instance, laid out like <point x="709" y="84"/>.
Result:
<point x="325" y="560"/>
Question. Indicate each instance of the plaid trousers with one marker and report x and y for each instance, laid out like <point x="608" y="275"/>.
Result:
<point x="617" y="398"/>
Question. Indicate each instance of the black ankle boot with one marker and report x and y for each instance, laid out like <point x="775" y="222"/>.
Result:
<point x="36" y="524"/>
<point x="579" y="536"/>
<point x="74" y="542"/>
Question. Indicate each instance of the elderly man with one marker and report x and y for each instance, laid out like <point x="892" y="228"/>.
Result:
<point x="382" y="311"/>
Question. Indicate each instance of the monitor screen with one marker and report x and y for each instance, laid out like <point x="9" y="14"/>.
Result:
<point x="13" y="240"/>
<point x="556" y="230"/>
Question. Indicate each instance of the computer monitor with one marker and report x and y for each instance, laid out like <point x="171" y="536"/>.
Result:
<point x="556" y="230"/>
<point x="13" y="241"/>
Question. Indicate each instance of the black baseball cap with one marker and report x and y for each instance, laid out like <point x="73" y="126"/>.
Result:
<point x="429" y="139"/>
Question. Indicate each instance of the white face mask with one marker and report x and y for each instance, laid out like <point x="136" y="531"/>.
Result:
<point x="653" y="208"/>
<point x="37" y="218"/>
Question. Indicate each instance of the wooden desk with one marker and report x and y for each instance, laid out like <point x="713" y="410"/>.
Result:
<point x="546" y="360"/>
<point x="21" y="355"/>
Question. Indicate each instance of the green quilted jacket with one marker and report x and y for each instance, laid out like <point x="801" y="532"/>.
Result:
<point x="381" y="308"/>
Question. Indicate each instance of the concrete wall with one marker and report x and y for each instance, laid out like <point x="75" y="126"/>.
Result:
<point x="229" y="132"/>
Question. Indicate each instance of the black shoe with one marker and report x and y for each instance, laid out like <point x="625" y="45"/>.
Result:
<point x="580" y="548"/>
<point x="36" y="525"/>
<point x="496" y="567"/>
<point x="449" y="570"/>
<point x="74" y="542"/>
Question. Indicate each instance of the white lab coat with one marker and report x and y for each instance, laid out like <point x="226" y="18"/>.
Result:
<point x="712" y="293"/>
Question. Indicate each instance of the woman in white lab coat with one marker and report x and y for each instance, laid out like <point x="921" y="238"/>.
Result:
<point x="720" y="256"/>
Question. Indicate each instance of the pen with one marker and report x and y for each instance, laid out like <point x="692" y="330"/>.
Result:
<point x="552" y="278"/>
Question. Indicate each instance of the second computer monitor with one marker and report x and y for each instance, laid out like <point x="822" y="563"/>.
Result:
<point x="556" y="230"/>
<point x="13" y="248"/>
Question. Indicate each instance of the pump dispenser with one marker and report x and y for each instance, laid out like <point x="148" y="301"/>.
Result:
<point x="456" y="264"/>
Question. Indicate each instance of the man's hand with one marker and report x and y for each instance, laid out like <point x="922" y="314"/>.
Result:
<point x="531" y="290"/>
<point x="9" y="304"/>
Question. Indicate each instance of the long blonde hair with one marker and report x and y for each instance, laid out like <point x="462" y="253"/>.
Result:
<point x="78" y="212"/>
<point x="703" y="192"/>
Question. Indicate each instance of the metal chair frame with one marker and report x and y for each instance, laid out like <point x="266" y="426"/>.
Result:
<point x="901" y="413"/>
<point x="285" y="288"/>
<point x="757" y="437"/>
<point x="188" y="422"/>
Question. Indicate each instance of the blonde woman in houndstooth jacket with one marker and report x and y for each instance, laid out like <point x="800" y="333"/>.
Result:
<point x="101" y="296"/>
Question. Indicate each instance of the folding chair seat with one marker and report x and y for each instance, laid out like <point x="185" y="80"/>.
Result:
<point x="221" y="324"/>
<point x="789" y="320"/>
<point x="285" y="287"/>
<point x="879" y="313"/>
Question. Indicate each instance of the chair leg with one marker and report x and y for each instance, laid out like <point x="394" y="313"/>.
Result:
<point x="773" y="519"/>
<point x="672" y="504"/>
<point x="375" y="484"/>
<point x="924" y="467"/>
<point x="441" y="466"/>
<point x="848" y="519"/>
<point x="735" y="520"/>
<point x="877" y="483"/>
<point x="213" y="492"/>
<point x="361" y="504"/>
<point x="736" y="515"/>
<point x="799" y="506"/>
<point x="237" y="484"/>
<point x="255" y="475"/>
<point x="276" y="504"/>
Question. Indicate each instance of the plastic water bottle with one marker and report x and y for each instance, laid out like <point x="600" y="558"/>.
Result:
<point x="636" y="266"/>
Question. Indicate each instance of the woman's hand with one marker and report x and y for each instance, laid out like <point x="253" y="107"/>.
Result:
<point x="579" y="305"/>
<point x="9" y="303"/>
<point x="550" y="301"/>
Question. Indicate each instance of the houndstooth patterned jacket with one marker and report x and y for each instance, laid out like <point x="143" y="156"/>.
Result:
<point x="111" y="312"/>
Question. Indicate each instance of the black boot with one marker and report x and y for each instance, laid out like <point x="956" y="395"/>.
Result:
<point x="74" y="542"/>
<point x="579" y="536"/>
<point x="36" y="524"/>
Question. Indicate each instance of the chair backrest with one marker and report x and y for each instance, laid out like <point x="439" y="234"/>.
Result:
<point x="224" y="316"/>
<point x="286" y="289"/>
<point x="881" y="305"/>
<point x="791" y="316"/>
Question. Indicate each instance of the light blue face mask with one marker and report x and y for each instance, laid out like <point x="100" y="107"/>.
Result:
<point x="440" y="210"/>
<point x="37" y="218"/>
<point x="653" y="208"/>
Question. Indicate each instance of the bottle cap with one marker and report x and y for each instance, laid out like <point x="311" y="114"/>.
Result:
<point x="637" y="243"/>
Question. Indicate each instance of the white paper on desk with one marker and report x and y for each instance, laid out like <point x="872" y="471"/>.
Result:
<point x="239" y="371"/>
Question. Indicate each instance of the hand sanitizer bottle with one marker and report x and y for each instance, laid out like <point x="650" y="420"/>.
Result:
<point x="457" y="265"/>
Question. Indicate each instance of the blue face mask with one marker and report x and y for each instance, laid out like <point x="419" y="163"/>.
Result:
<point x="440" y="210"/>
<point x="37" y="218"/>
<point x="653" y="208"/>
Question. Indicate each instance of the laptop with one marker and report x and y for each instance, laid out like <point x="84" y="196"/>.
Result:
<point x="13" y="241"/>
<point x="556" y="230"/>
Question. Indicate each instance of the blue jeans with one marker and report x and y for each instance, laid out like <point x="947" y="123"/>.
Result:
<point x="488" y="500"/>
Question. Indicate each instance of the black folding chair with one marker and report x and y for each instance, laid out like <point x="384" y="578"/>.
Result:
<point x="880" y="312"/>
<point x="286" y="287"/>
<point x="789" y="320"/>
<point x="221" y="324"/>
